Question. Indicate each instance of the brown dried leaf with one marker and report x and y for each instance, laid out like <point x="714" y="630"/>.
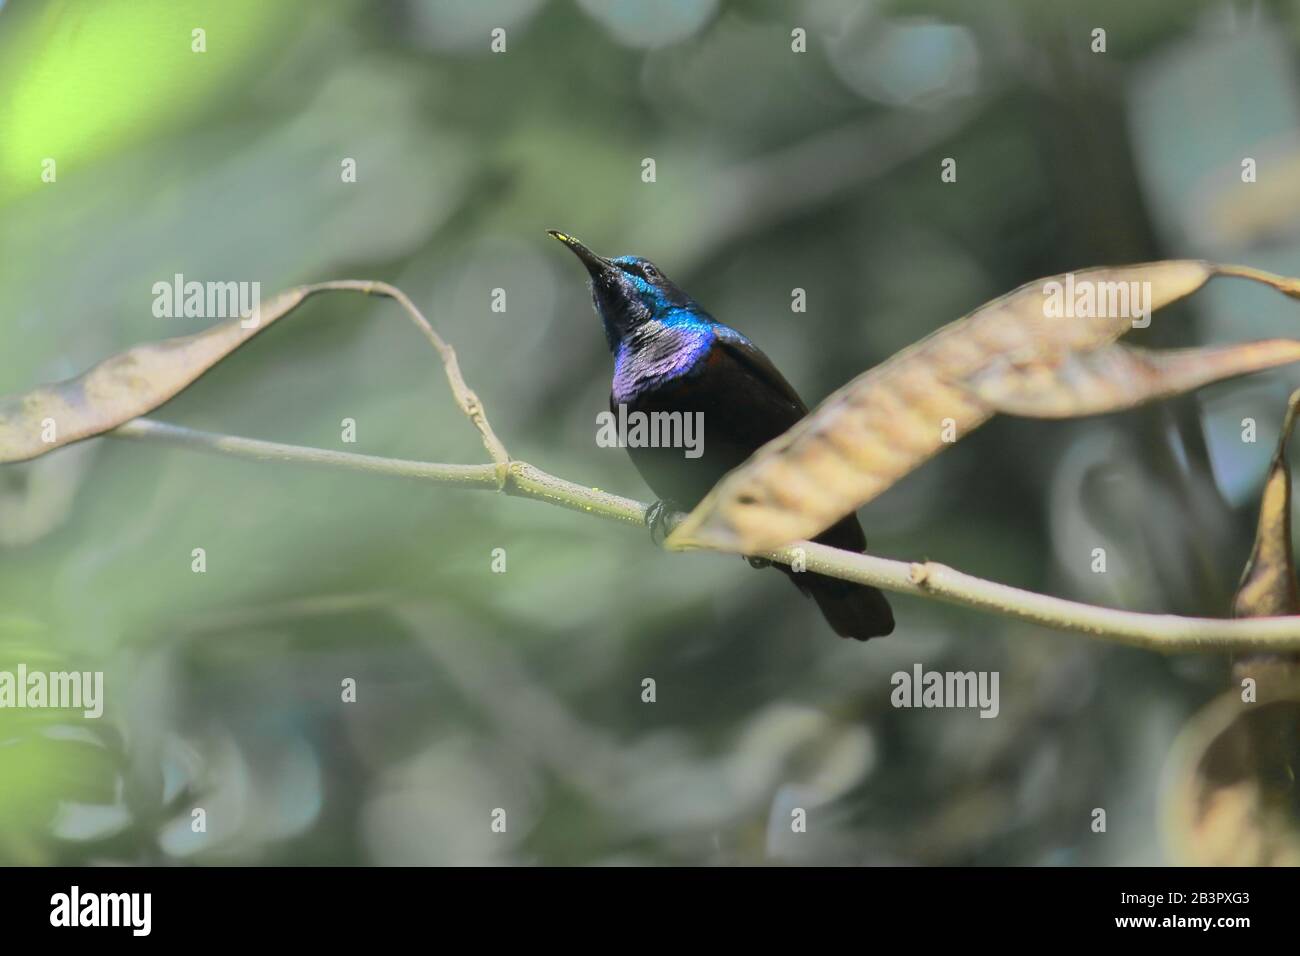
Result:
<point x="1268" y="585"/>
<point x="1116" y="377"/>
<point x="1230" y="785"/>
<point x="1009" y="353"/>
<point x="124" y="386"/>
<point x="1230" y="790"/>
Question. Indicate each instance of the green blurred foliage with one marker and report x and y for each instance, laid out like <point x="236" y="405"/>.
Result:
<point x="522" y="690"/>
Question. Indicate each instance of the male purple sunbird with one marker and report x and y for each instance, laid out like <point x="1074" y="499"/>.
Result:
<point x="672" y="356"/>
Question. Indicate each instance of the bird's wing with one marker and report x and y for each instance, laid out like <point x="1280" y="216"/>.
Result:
<point x="846" y="533"/>
<point x="748" y="354"/>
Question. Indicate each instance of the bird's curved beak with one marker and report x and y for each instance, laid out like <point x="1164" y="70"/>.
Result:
<point x="596" y="265"/>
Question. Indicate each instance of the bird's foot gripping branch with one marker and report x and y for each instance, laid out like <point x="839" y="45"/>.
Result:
<point x="1010" y="355"/>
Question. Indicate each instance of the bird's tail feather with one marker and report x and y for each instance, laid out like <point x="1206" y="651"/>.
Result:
<point x="853" y="610"/>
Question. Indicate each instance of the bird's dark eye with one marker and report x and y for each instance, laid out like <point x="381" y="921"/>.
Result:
<point x="649" y="271"/>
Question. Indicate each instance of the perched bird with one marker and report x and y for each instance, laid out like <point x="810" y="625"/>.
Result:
<point x="672" y="356"/>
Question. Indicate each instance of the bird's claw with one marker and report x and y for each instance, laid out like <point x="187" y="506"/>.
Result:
<point x="658" y="518"/>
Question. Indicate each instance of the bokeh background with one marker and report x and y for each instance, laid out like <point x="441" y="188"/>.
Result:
<point x="522" y="690"/>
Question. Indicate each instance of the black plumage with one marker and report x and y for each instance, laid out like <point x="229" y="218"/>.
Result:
<point x="672" y="357"/>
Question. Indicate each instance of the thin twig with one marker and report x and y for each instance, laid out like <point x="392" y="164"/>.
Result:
<point x="1160" y="632"/>
<point x="458" y="476"/>
<point x="465" y="396"/>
